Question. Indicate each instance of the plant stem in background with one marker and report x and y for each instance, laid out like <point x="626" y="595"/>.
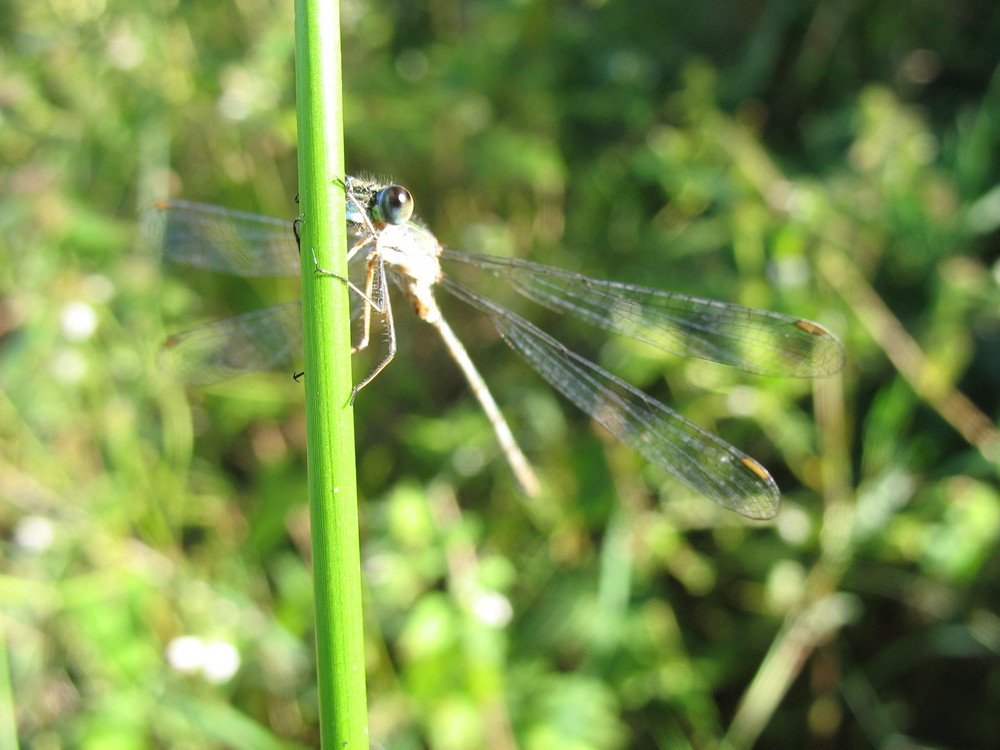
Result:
<point x="328" y="380"/>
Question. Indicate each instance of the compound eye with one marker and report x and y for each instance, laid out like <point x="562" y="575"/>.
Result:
<point x="393" y="205"/>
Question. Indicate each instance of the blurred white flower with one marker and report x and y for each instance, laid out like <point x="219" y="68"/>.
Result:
<point x="186" y="654"/>
<point x="492" y="608"/>
<point x="34" y="533"/>
<point x="78" y="321"/>
<point x="217" y="661"/>
<point x="221" y="662"/>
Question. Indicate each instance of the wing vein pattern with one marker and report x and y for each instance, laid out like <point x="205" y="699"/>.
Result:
<point x="704" y="462"/>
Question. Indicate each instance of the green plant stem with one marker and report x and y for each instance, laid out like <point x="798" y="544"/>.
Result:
<point x="328" y="380"/>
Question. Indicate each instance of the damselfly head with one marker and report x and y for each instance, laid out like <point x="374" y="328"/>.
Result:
<point x="392" y="205"/>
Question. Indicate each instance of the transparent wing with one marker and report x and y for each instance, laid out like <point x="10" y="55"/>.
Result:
<point x="267" y="339"/>
<point x="704" y="462"/>
<point x="218" y="239"/>
<point x="757" y="341"/>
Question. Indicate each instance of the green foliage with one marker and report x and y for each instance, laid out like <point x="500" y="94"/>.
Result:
<point x="833" y="162"/>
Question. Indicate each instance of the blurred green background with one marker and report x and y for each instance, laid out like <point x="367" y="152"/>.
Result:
<point x="832" y="160"/>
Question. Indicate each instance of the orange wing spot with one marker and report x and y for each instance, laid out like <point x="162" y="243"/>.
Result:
<point x="755" y="467"/>
<point x="161" y="205"/>
<point x="810" y="327"/>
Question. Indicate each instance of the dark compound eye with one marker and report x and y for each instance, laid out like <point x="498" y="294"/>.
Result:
<point x="393" y="205"/>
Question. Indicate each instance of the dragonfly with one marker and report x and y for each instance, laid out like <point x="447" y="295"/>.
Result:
<point x="387" y="244"/>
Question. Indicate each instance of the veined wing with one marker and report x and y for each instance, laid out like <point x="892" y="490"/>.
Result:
<point x="218" y="239"/>
<point x="758" y="341"/>
<point x="265" y="339"/>
<point x="701" y="460"/>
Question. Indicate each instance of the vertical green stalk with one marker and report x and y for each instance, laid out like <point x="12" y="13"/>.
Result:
<point x="328" y="381"/>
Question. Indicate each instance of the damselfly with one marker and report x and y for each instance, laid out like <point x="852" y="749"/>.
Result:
<point x="389" y="244"/>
